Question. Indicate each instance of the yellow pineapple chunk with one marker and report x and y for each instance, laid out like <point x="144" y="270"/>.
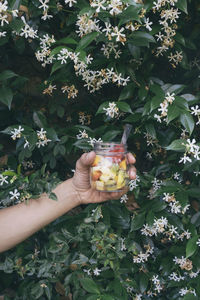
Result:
<point x="96" y="160"/>
<point x="122" y="164"/>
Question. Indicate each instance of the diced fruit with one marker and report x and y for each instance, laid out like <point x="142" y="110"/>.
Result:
<point x="110" y="182"/>
<point x="114" y="168"/>
<point x="122" y="164"/>
<point x="100" y="186"/>
<point x="96" y="160"/>
<point x="104" y="177"/>
<point x="96" y="175"/>
<point x="121" y="177"/>
<point x="111" y="188"/>
<point x="119" y="186"/>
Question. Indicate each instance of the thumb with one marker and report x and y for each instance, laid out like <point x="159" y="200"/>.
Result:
<point x="86" y="160"/>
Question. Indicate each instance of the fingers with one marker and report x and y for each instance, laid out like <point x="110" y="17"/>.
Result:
<point x="85" y="161"/>
<point x="131" y="158"/>
<point x="132" y="172"/>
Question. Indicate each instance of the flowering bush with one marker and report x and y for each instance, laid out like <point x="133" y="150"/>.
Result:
<point x="72" y="73"/>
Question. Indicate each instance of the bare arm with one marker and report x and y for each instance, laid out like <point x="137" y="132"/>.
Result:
<point x="20" y="221"/>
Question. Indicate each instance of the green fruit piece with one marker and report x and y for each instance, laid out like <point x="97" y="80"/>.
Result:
<point x="111" y="188"/>
<point x="114" y="169"/>
<point x="110" y="182"/>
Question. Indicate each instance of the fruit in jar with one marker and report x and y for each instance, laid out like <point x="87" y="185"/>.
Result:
<point x="122" y="164"/>
<point x="100" y="186"/>
<point x="96" y="175"/>
<point x="96" y="160"/>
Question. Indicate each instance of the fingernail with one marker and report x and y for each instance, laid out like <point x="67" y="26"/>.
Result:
<point x="132" y="173"/>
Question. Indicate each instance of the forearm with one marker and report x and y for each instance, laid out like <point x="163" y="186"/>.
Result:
<point x="20" y="221"/>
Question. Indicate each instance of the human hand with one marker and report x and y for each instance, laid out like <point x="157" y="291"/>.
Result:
<point x="81" y="180"/>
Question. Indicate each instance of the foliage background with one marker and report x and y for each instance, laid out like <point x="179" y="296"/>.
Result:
<point x="146" y="245"/>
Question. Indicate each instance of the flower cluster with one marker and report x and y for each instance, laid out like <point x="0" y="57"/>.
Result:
<point x="164" y="107"/>
<point x="44" y="53"/>
<point x="84" y="119"/>
<point x="183" y="263"/>
<point x="162" y="226"/>
<point x="134" y="183"/>
<point x="143" y="257"/>
<point x="71" y="90"/>
<point x="195" y="110"/>
<point x="112" y="110"/>
<point x="175" y="206"/>
<point x="42" y="138"/>
<point x="17" y="132"/>
<point x="157" y="284"/>
<point x="192" y="150"/>
<point x="168" y="19"/>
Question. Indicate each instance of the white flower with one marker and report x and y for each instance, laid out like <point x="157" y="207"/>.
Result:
<point x="147" y="24"/>
<point x="16" y="133"/>
<point x="93" y="141"/>
<point x="185" y="158"/>
<point x="112" y="110"/>
<point x="3" y="34"/>
<point x="198" y="242"/>
<point x="195" y="110"/>
<point x="82" y="135"/>
<point x="3" y="179"/>
<point x="170" y="98"/>
<point x="124" y="198"/>
<point x="14" y="195"/>
<point x="96" y="272"/>
<point x="44" y="5"/>
<point x="70" y="2"/>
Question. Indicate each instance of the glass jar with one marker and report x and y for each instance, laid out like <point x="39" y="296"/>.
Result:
<point x="109" y="171"/>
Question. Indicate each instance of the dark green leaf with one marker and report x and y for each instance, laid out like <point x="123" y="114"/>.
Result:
<point x="143" y="282"/>
<point x="86" y="40"/>
<point x="127" y="92"/>
<point x="6" y="96"/>
<point x="187" y="121"/>
<point x="177" y="145"/>
<point x="182" y="5"/>
<point x="125" y="107"/>
<point x="40" y="119"/>
<point x="89" y="285"/>
<point x="191" y="246"/>
<point x="110" y="135"/>
<point x="7" y="74"/>
<point x="137" y="221"/>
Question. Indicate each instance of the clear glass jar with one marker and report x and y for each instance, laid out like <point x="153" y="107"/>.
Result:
<point x="109" y="172"/>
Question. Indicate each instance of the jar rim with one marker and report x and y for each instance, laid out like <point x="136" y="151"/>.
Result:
<point x="103" y="146"/>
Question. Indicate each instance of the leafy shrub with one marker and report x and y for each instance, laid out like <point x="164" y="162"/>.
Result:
<point x="72" y="73"/>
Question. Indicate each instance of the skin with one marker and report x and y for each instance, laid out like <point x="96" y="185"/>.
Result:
<point x="21" y="221"/>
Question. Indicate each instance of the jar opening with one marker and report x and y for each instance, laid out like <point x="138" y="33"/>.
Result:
<point x="111" y="148"/>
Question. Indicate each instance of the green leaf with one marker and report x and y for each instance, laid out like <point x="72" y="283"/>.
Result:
<point x="53" y="196"/>
<point x="125" y="107"/>
<point x="190" y="296"/>
<point x="191" y="246"/>
<point x="6" y="96"/>
<point x="67" y="40"/>
<point x="127" y="92"/>
<point x="82" y="144"/>
<point x="130" y="13"/>
<point x="37" y="291"/>
<point x="7" y="74"/>
<point x="52" y="135"/>
<point x="143" y="282"/>
<point x="187" y="121"/>
<point x="141" y="38"/>
<point x="137" y="221"/>
<point x="100" y="109"/>
<point x="173" y="112"/>
<point x="107" y="297"/>
<point x="89" y="285"/>
<point x="155" y="102"/>
<point x="39" y="119"/>
<point x="182" y="5"/>
<point x="177" y="145"/>
<point x="110" y="135"/>
<point x="86" y="40"/>
<point x="150" y="129"/>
